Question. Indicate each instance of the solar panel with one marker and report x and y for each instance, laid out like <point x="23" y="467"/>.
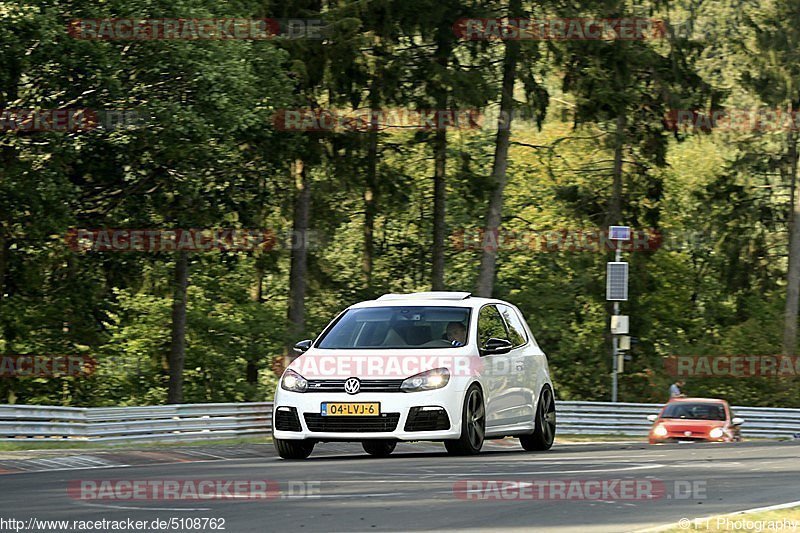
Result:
<point x="619" y="233"/>
<point x="617" y="281"/>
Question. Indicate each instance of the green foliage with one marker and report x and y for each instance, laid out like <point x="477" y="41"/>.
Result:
<point x="206" y="156"/>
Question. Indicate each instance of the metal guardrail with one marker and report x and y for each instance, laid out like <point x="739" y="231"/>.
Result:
<point x="187" y="422"/>
<point x="121" y="424"/>
<point x="596" y="418"/>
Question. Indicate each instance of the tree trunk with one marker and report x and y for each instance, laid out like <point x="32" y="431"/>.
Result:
<point x="257" y="296"/>
<point x="793" y="275"/>
<point x="251" y="374"/>
<point x="3" y="260"/>
<point x="443" y="52"/>
<point x="614" y="215"/>
<point x="8" y="156"/>
<point x="257" y="291"/>
<point x="177" y="352"/>
<point x="439" y="210"/>
<point x="494" y="214"/>
<point x="299" y="261"/>
<point x="370" y="208"/>
<point x="370" y="189"/>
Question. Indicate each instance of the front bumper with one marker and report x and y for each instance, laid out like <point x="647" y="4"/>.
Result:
<point x="692" y="438"/>
<point x="400" y="403"/>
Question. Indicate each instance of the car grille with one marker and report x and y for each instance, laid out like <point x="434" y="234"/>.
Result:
<point x="367" y="385"/>
<point x="352" y="424"/>
<point x="694" y="436"/>
<point x="428" y="420"/>
<point x="286" y="419"/>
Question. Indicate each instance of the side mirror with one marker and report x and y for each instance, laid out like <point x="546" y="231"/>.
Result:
<point x="302" y="346"/>
<point x="737" y="421"/>
<point x="496" y="346"/>
<point x="652" y="418"/>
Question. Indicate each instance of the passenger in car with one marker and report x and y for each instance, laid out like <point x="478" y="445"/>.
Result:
<point x="456" y="333"/>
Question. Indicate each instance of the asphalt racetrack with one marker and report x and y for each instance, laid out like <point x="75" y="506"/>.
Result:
<point x="421" y="488"/>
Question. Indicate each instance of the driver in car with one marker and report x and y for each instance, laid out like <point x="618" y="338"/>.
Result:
<point x="456" y="333"/>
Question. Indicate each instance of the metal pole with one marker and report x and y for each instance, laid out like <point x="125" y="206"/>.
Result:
<point x="615" y="341"/>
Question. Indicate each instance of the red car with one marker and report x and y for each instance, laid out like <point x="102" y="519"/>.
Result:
<point x="695" y="419"/>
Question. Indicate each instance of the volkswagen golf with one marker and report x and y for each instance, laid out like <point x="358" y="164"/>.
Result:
<point x="436" y="366"/>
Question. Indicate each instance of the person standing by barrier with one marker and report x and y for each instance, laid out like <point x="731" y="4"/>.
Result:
<point x="675" y="390"/>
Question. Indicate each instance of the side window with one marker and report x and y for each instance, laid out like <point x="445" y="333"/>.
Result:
<point x="490" y="324"/>
<point x="516" y="331"/>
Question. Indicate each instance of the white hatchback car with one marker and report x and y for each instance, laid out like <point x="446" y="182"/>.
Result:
<point x="435" y="366"/>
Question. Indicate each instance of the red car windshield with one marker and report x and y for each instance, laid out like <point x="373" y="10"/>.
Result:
<point x="695" y="411"/>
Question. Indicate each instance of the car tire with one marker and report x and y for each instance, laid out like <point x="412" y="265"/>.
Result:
<point x="293" y="449"/>
<point x="379" y="448"/>
<point x="473" y="425"/>
<point x="545" y="431"/>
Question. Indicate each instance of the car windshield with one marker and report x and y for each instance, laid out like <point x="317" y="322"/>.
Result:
<point x="398" y="327"/>
<point x="695" y="411"/>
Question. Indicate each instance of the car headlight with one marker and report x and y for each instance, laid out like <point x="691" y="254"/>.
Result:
<point x="429" y="380"/>
<point x="716" y="433"/>
<point x="293" y="382"/>
<point x="660" y="431"/>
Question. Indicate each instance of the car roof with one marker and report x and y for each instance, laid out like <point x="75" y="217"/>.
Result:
<point x="697" y="400"/>
<point x="433" y="299"/>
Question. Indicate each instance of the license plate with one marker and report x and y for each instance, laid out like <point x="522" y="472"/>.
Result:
<point x="350" y="409"/>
